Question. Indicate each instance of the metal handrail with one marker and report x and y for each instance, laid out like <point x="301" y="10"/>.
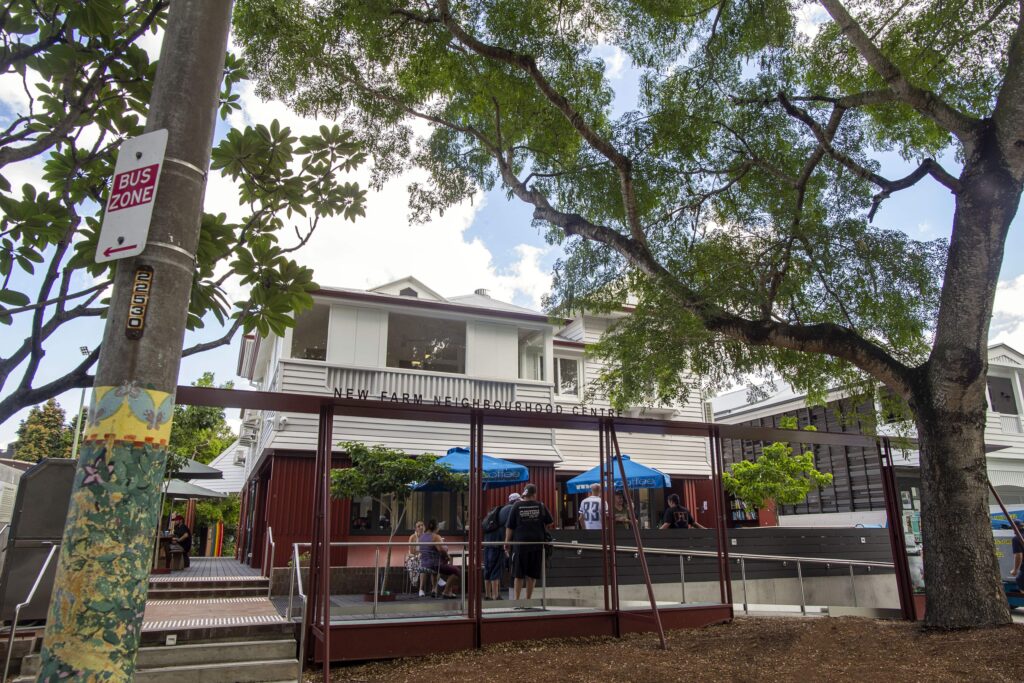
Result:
<point x="28" y="599"/>
<point x="683" y="555"/>
<point x="297" y="578"/>
<point x="268" y="555"/>
<point x="732" y="555"/>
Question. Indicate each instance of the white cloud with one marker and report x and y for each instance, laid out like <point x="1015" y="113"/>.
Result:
<point x="384" y="245"/>
<point x="614" y="60"/>
<point x="1008" y="314"/>
<point x="809" y="19"/>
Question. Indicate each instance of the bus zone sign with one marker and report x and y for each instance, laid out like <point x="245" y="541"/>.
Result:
<point x="132" y="194"/>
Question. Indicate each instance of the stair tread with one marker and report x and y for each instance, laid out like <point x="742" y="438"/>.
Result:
<point x="233" y="643"/>
<point x="219" y="665"/>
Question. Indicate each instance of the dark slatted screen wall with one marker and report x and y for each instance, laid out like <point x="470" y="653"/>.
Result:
<point x="856" y="479"/>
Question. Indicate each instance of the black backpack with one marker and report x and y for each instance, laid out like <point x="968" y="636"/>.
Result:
<point x="491" y="523"/>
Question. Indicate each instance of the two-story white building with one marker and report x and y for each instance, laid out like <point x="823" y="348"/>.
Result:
<point x="403" y="341"/>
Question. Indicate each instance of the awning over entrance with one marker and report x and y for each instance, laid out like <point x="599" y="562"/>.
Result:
<point x="637" y="477"/>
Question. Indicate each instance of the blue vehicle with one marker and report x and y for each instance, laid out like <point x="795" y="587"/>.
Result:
<point x="1014" y="595"/>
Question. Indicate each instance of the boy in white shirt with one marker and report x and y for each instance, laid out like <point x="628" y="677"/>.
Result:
<point x="589" y="516"/>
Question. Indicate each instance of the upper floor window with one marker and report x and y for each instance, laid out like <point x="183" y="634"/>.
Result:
<point x="309" y="338"/>
<point x="531" y="355"/>
<point x="1000" y="391"/>
<point x="421" y="343"/>
<point x="567" y="377"/>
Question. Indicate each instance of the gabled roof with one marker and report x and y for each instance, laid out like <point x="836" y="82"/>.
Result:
<point x="1004" y="354"/>
<point x="484" y="301"/>
<point x="233" y="475"/>
<point x="396" y="286"/>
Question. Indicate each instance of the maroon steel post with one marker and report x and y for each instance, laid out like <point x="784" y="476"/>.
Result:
<point x="721" y="529"/>
<point x="636" y="536"/>
<point x="327" y="425"/>
<point x="606" y="518"/>
<point x="897" y="541"/>
<point x="476" y="485"/>
<point x="613" y="558"/>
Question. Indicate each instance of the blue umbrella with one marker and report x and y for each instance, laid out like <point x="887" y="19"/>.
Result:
<point x="497" y="472"/>
<point x="637" y="476"/>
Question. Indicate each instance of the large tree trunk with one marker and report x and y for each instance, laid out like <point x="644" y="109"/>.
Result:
<point x="949" y="401"/>
<point x="960" y="567"/>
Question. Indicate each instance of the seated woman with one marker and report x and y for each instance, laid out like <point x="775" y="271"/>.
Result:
<point x="412" y="558"/>
<point x="434" y="558"/>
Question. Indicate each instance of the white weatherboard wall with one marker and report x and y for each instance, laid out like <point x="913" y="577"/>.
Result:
<point x="357" y="336"/>
<point x="678" y="455"/>
<point x="492" y="350"/>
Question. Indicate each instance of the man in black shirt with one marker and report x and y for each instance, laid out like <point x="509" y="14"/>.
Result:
<point x="527" y="523"/>
<point x="676" y="516"/>
<point x="182" y="535"/>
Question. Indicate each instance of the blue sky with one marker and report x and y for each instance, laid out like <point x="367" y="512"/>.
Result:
<point x="489" y="243"/>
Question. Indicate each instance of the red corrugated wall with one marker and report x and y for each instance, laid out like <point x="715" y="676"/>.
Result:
<point x="290" y="508"/>
<point x="543" y="475"/>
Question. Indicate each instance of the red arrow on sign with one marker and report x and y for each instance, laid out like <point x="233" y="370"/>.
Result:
<point x="111" y="250"/>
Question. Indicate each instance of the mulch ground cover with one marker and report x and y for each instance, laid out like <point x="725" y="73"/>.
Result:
<point x="760" y="650"/>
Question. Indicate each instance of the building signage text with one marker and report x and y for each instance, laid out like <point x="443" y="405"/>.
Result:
<point x="465" y="402"/>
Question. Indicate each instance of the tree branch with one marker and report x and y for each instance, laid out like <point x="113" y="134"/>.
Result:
<point x="220" y="341"/>
<point x="964" y="127"/>
<point x="825" y="136"/>
<point x="528" y="64"/>
<point x="24" y="396"/>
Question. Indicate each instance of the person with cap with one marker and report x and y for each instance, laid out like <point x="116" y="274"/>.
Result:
<point x="495" y="558"/>
<point x="182" y="535"/>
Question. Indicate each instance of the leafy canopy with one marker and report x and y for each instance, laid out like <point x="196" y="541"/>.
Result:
<point x="201" y="432"/>
<point x="388" y="475"/>
<point x="43" y="434"/>
<point x="732" y="203"/>
<point x="777" y="475"/>
<point x="87" y="83"/>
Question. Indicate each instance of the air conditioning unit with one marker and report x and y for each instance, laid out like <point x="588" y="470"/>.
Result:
<point x="240" y="455"/>
<point x="247" y="435"/>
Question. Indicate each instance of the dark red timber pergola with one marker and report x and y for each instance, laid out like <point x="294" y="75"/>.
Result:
<point x="383" y="639"/>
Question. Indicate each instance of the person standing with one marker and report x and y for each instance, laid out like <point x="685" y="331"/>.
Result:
<point x="494" y="554"/>
<point x="590" y="516"/>
<point x="1018" y="555"/>
<point x="527" y="524"/>
<point x="182" y="535"/>
<point x="677" y="516"/>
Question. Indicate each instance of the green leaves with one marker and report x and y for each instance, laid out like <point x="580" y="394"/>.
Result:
<point x="388" y="474"/>
<point x="777" y="475"/>
<point x="281" y="183"/>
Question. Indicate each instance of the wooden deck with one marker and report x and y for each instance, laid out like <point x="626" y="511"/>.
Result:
<point x="209" y="569"/>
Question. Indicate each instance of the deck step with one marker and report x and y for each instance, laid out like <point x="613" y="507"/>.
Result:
<point x="157" y="656"/>
<point x="225" y="672"/>
<point x="192" y="592"/>
<point x="220" y="634"/>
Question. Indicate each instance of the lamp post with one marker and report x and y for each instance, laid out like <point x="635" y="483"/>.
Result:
<point x="78" y="418"/>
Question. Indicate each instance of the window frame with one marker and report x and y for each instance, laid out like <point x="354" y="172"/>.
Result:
<point x="557" y="377"/>
<point x="390" y="316"/>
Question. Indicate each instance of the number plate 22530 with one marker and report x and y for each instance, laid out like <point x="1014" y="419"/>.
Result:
<point x="142" y="286"/>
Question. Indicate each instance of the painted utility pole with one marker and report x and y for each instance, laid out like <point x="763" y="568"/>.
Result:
<point x="92" y="632"/>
